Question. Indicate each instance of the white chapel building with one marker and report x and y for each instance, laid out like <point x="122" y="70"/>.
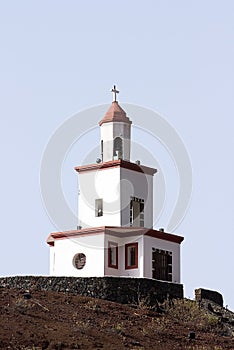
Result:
<point x="115" y="235"/>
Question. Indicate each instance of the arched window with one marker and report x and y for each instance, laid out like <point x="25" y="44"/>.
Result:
<point x="118" y="148"/>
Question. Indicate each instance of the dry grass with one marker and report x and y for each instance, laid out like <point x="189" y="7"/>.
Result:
<point x="188" y="312"/>
<point x="22" y="305"/>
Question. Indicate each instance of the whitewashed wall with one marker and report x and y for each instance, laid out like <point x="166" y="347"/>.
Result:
<point x="95" y="247"/>
<point x="103" y="184"/>
<point x="52" y="259"/>
<point x="65" y="249"/>
<point x="139" y="185"/>
<point x="115" y="186"/>
<point x="121" y="258"/>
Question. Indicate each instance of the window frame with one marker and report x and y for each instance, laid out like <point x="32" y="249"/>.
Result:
<point x="115" y="246"/>
<point x="79" y="258"/>
<point x="162" y="264"/>
<point x="127" y="246"/>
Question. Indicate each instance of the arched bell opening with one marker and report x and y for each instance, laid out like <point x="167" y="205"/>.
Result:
<point x="118" y="148"/>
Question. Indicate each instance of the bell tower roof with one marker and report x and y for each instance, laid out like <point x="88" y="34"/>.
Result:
<point x="115" y="113"/>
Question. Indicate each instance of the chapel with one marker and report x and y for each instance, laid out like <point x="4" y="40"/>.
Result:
<point x="115" y="234"/>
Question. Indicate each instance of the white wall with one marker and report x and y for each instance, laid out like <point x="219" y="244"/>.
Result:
<point x="65" y="249"/>
<point x="95" y="247"/>
<point x="115" y="186"/>
<point x="106" y="130"/>
<point x="139" y="185"/>
<point x="149" y="243"/>
<point x="99" y="184"/>
<point x="52" y="259"/>
<point x="121" y="256"/>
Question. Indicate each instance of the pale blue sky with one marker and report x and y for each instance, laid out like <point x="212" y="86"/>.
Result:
<point x="174" y="57"/>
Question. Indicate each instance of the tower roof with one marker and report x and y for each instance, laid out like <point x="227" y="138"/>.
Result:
<point x="115" y="114"/>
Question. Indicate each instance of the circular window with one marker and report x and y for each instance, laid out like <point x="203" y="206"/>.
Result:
<point x="79" y="261"/>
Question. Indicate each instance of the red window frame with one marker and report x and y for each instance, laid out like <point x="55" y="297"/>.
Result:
<point x="113" y="266"/>
<point x="127" y="246"/>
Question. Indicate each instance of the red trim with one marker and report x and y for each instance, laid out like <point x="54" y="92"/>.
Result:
<point x="74" y="233"/>
<point x="118" y="119"/>
<point x="116" y="266"/>
<point x="135" y="266"/>
<point x="165" y="236"/>
<point x="117" y="163"/>
<point x="118" y="231"/>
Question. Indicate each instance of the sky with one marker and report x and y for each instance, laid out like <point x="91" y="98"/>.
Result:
<point x="176" y="58"/>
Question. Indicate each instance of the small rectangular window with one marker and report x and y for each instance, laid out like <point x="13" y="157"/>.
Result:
<point x="131" y="256"/>
<point x="99" y="207"/>
<point x="137" y="212"/>
<point x="113" y="255"/>
<point x="102" y="150"/>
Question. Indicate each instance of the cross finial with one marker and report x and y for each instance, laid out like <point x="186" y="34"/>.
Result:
<point x="115" y="92"/>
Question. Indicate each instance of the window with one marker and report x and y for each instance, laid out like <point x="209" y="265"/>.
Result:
<point x="113" y="255"/>
<point x="99" y="207"/>
<point x="131" y="256"/>
<point x="118" y="148"/>
<point x="137" y="212"/>
<point x="102" y="150"/>
<point x="162" y="265"/>
<point x="79" y="261"/>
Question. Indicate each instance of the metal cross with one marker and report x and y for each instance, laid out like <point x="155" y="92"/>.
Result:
<point x="115" y="92"/>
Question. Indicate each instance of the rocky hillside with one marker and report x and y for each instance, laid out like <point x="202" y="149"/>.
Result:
<point x="55" y="320"/>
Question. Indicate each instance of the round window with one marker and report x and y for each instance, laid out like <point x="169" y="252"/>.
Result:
<point x="79" y="261"/>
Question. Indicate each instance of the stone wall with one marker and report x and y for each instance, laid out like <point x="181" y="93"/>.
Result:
<point x="211" y="295"/>
<point x="121" y="290"/>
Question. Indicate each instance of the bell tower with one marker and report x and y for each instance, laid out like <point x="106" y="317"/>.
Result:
<point x="115" y="234"/>
<point x="115" y="132"/>
<point x="115" y="191"/>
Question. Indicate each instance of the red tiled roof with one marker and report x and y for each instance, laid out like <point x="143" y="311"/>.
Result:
<point x="115" y="114"/>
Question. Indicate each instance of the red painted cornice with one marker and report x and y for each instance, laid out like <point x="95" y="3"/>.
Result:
<point x="117" y="231"/>
<point x="114" y="164"/>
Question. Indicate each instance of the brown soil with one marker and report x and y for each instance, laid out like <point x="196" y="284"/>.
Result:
<point x="51" y="320"/>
